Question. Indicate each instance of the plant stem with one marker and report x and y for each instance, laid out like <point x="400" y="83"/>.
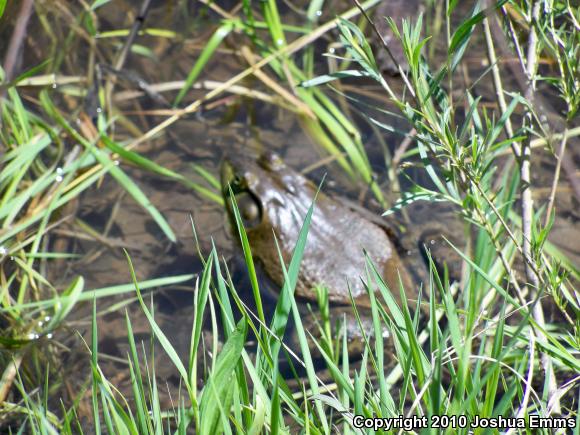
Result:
<point x="532" y="275"/>
<point x="540" y="104"/>
<point x="18" y="36"/>
<point x="122" y="57"/>
<point x="523" y="155"/>
<point x="556" y="177"/>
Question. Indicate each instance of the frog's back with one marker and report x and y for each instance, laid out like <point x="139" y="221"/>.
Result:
<point x="338" y="238"/>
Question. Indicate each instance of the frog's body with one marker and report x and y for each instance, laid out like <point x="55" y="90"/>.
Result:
<point x="273" y="200"/>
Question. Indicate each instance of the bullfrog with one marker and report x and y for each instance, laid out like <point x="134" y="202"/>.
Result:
<point x="273" y="200"/>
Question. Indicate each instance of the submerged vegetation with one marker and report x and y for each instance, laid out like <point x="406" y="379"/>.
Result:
<point x="501" y="340"/>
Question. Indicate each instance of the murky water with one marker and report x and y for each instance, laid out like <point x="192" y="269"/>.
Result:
<point x="227" y="125"/>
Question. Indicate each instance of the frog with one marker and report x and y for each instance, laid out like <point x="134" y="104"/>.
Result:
<point x="273" y="200"/>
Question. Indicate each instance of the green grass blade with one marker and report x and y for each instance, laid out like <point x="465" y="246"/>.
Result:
<point x="211" y="180"/>
<point x="247" y="256"/>
<point x="151" y="166"/>
<point x="199" y="311"/>
<point x="167" y="347"/>
<point x="217" y="393"/>
<point x="208" y="51"/>
<point x="108" y="291"/>
<point x="94" y="365"/>
<point x="65" y="303"/>
<point x="127" y="183"/>
<point x="143" y="422"/>
<point x="284" y="304"/>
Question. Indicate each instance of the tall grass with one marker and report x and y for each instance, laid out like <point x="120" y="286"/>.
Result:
<point x="484" y="348"/>
<point x="244" y="390"/>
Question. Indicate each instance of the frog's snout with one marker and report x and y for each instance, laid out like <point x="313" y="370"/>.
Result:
<point x="226" y="175"/>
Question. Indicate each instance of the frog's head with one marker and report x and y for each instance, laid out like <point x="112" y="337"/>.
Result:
<point x="264" y="190"/>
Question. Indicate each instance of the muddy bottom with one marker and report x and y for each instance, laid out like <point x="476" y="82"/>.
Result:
<point x="235" y="125"/>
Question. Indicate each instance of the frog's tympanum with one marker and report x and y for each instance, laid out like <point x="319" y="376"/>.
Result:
<point x="273" y="200"/>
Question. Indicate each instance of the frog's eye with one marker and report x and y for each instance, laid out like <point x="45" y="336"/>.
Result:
<point x="270" y="161"/>
<point x="237" y="184"/>
<point x="250" y="210"/>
